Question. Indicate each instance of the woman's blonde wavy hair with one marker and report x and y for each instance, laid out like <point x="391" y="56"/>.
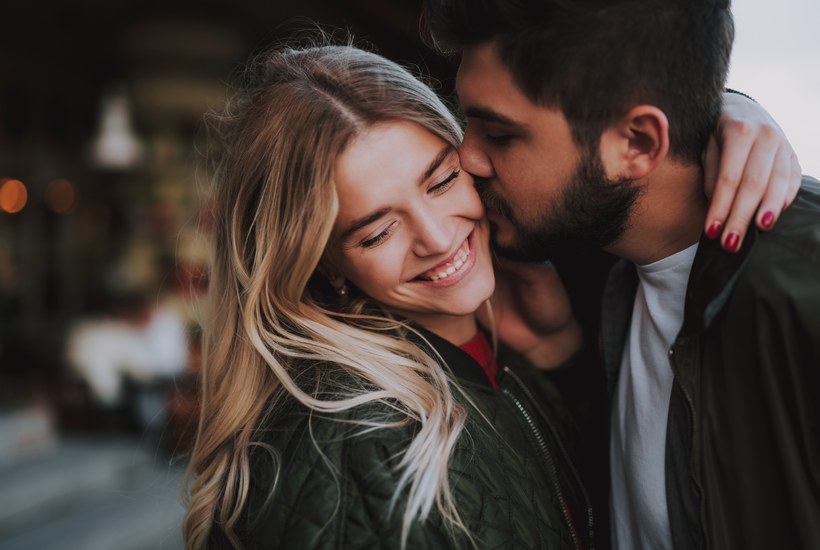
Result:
<point x="269" y="309"/>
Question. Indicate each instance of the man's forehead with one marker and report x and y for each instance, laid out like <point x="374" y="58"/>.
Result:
<point x="479" y="61"/>
<point x="486" y="89"/>
<point x="482" y="80"/>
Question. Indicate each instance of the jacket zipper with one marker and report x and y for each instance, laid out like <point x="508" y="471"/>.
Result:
<point x="689" y="402"/>
<point x="542" y="445"/>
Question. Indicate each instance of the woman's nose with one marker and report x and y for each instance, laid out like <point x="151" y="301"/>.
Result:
<point x="433" y="234"/>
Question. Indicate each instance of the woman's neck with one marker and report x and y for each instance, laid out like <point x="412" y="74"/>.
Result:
<point x="456" y="329"/>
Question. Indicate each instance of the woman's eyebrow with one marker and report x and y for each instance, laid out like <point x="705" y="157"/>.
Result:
<point x="436" y="162"/>
<point x="364" y="221"/>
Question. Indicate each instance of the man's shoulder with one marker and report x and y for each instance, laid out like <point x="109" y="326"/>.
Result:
<point x="791" y="250"/>
<point x="802" y="218"/>
<point x="784" y="264"/>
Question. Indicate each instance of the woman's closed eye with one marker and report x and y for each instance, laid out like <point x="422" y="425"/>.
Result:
<point x="370" y="242"/>
<point x="442" y="186"/>
<point x="436" y="189"/>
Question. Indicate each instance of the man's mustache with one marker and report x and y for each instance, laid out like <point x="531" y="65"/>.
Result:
<point x="492" y="201"/>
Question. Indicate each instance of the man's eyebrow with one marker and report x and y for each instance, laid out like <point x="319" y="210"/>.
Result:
<point x="489" y="115"/>
<point x="436" y="162"/>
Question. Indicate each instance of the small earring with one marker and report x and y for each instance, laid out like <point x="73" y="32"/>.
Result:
<point x="342" y="290"/>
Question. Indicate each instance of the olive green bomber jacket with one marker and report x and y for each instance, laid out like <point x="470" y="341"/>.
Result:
<point x="512" y="478"/>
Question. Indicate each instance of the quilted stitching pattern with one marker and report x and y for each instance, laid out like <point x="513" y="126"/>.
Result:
<point x="336" y="493"/>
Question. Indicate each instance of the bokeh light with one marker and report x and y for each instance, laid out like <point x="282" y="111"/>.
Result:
<point x="61" y="196"/>
<point x="13" y="196"/>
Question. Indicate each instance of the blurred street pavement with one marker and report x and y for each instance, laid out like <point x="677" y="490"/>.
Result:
<point x="91" y="494"/>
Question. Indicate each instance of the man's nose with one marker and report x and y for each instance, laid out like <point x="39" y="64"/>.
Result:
<point x="473" y="159"/>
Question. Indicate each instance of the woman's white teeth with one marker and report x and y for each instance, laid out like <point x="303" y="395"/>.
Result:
<point x="457" y="263"/>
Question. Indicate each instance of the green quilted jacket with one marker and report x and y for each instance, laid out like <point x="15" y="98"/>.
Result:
<point x="513" y="479"/>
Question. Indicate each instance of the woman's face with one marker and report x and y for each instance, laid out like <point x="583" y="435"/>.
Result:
<point x="411" y="231"/>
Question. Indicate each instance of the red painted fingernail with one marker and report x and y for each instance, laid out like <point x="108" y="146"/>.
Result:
<point x="768" y="220"/>
<point x="714" y="230"/>
<point x="732" y="241"/>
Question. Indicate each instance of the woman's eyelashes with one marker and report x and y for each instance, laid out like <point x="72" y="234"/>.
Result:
<point x="436" y="189"/>
<point x="373" y="241"/>
<point x="442" y="186"/>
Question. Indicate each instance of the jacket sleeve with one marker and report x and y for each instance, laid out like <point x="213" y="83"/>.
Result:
<point x="763" y="365"/>
<point x="776" y="321"/>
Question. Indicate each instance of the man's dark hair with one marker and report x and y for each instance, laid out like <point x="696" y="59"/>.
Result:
<point x="595" y="59"/>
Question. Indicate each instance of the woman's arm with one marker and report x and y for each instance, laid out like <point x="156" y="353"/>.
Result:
<point x="751" y="167"/>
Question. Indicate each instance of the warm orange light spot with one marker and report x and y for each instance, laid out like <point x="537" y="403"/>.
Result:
<point x="61" y="196"/>
<point x="13" y="196"/>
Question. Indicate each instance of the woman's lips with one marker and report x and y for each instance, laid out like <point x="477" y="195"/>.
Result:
<point x="454" y="269"/>
<point x="451" y="266"/>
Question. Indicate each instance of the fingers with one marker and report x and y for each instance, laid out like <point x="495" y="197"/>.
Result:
<point x="527" y="283"/>
<point x="760" y="171"/>
<point x="795" y="178"/>
<point x="774" y="177"/>
<point x="733" y="158"/>
<point x="776" y="192"/>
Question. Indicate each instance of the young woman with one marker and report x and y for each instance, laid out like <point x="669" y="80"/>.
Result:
<point x="349" y="398"/>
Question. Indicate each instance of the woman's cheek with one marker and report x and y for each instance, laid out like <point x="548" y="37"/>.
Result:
<point x="476" y="207"/>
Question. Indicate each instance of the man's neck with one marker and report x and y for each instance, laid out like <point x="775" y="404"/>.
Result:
<point x="669" y="216"/>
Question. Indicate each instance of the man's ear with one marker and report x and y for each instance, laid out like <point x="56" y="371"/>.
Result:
<point x="636" y="144"/>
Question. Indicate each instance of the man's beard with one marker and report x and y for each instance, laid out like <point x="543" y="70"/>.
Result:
<point x="592" y="212"/>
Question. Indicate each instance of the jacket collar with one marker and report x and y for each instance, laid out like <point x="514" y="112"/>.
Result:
<point x="713" y="276"/>
<point x="461" y="364"/>
<point x="616" y="313"/>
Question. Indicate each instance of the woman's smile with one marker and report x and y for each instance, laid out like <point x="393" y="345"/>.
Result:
<point x="452" y="270"/>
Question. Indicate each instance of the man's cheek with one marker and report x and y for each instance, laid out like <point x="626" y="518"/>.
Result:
<point x="501" y="228"/>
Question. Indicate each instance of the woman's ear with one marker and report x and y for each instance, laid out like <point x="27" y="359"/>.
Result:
<point x="329" y="272"/>
<point x="636" y="144"/>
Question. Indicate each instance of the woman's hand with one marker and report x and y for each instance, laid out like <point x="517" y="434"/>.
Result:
<point x="532" y="313"/>
<point x="751" y="167"/>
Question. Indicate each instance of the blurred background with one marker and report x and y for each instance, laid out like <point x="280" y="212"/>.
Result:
<point x="104" y="228"/>
<point x="776" y="60"/>
<point x="103" y="245"/>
